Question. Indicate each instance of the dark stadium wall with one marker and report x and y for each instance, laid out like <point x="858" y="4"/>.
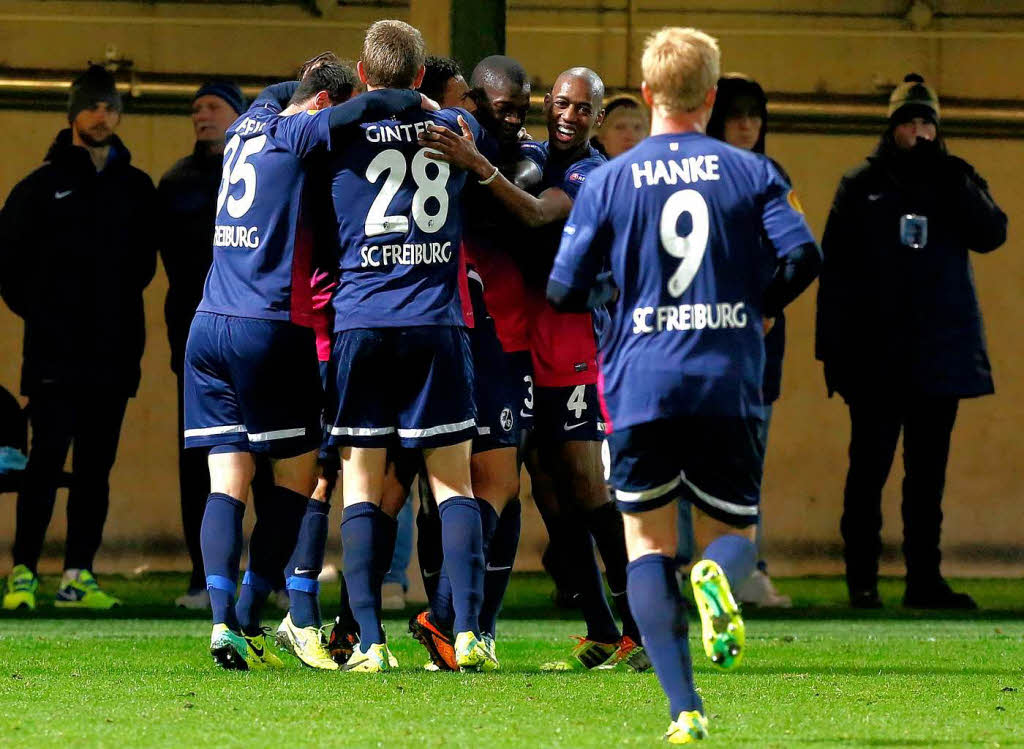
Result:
<point x="853" y="48"/>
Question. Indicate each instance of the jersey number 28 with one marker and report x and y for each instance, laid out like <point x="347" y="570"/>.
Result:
<point x="690" y="249"/>
<point x="393" y="163"/>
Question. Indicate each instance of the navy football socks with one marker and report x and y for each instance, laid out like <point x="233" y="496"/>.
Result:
<point x="359" y="539"/>
<point x="661" y="614"/>
<point x="605" y="524"/>
<point x="462" y="541"/>
<point x="221" y="542"/>
<point x="256" y="585"/>
<point x="736" y="555"/>
<point x="305" y="564"/>
<point x="501" y="556"/>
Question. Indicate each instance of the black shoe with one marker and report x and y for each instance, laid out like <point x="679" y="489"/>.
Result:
<point x="936" y="595"/>
<point x="865" y="598"/>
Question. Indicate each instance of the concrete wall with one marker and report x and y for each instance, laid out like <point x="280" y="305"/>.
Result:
<point x="808" y="50"/>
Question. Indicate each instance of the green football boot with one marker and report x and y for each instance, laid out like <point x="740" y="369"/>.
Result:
<point x="688" y="728"/>
<point x="260" y="650"/>
<point x="723" y="632"/>
<point x="20" y="591"/>
<point x="83" y="592"/>
<point x="230" y="650"/>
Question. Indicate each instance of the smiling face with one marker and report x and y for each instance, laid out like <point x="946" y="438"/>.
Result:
<point x="571" y="112"/>
<point x="211" y="117"/>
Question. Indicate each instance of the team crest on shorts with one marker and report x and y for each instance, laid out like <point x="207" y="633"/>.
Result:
<point x="506" y="419"/>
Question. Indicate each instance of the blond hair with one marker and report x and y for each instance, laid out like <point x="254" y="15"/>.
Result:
<point x="680" y="66"/>
<point x="393" y="53"/>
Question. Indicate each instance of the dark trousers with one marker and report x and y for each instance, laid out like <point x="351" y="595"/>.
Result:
<point x="91" y="421"/>
<point x="875" y="428"/>
<point x="194" y="484"/>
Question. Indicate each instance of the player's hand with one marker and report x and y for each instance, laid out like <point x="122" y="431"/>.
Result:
<point x="428" y="104"/>
<point x="457" y="150"/>
<point x="769" y="323"/>
<point x="523" y="134"/>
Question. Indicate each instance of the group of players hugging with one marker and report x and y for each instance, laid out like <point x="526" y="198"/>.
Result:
<point x="405" y="285"/>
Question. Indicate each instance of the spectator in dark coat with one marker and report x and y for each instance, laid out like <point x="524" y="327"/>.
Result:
<point x="76" y="252"/>
<point x="900" y="333"/>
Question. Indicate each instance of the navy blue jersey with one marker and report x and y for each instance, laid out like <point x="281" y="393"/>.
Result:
<point x="399" y="226"/>
<point x="691" y="229"/>
<point x="538" y="246"/>
<point x="569" y="177"/>
<point x="262" y="248"/>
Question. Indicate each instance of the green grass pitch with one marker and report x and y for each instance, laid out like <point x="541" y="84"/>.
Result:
<point x="817" y="676"/>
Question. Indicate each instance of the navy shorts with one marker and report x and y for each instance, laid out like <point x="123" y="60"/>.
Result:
<point x="714" y="463"/>
<point x="498" y="395"/>
<point x="252" y="384"/>
<point x="402" y="386"/>
<point x="570" y="413"/>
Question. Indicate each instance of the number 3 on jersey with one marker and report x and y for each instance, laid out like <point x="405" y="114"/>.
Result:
<point x="690" y="249"/>
<point x="240" y="170"/>
<point x="392" y="161"/>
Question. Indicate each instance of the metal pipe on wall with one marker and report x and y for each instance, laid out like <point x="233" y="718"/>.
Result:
<point x="168" y="93"/>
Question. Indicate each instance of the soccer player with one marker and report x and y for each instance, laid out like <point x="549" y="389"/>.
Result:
<point x="252" y="378"/>
<point x="701" y="243"/>
<point x="500" y="380"/>
<point x="566" y="459"/>
<point x="401" y="355"/>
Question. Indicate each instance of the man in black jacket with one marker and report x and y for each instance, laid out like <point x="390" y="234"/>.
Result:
<point x="76" y="252"/>
<point x="900" y="333"/>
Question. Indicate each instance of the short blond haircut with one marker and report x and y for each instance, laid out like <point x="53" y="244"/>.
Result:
<point x="680" y="66"/>
<point x="393" y="53"/>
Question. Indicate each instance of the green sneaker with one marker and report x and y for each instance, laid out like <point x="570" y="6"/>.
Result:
<point x="20" y="591"/>
<point x="723" y="632"/>
<point x="83" y="592"/>
<point x="230" y="650"/>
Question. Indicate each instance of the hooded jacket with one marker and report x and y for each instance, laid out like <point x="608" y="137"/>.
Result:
<point x="731" y="87"/>
<point x="76" y="251"/>
<point x="893" y="320"/>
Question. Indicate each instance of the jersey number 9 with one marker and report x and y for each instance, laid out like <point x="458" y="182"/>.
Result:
<point x="690" y="249"/>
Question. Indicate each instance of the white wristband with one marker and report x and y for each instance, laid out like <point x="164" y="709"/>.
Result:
<point x="490" y="179"/>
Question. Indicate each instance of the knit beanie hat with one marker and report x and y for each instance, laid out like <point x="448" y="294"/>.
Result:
<point x="226" y="90"/>
<point x="913" y="98"/>
<point x="90" y="88"/>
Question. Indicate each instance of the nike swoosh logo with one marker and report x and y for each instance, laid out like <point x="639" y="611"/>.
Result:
<point x="569" y="428"/>
<point x="302" y="572"/>
<point x="874" y="197"/>
<point x="524" y="414"/>
<point x="491" y="568"/>
<point x="256" y="649"/>
<point x="58" y="195"/>
<point x="435" y="573"/>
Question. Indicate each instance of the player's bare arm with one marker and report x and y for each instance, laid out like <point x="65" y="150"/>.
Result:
<point x="460" y="150"/>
